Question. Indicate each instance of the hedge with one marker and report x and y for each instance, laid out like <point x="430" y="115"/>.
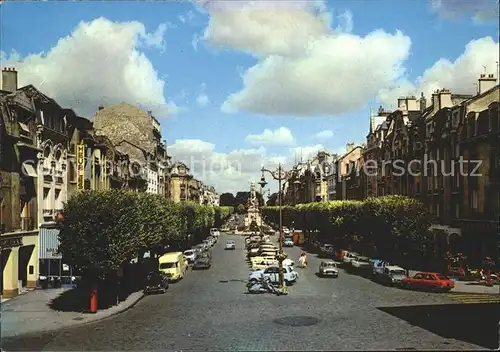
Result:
<point x="103" y="230"/>
<point x="383" y="225"/>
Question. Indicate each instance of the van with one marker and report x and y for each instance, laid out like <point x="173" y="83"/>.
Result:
<point x="174" y="265"/>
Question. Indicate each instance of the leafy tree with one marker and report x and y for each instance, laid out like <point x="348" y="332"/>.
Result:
<point x="241" y="198"/>
<point x="100" y="231"/>
<point x="227" y="200"/>
<point x="273" y="200"/>
<point x="118" y="225"/>
<point x="240" y="209"/>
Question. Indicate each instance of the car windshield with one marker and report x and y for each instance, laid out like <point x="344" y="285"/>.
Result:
<point x="330" y="265"/>
<point x="189" y="252"/>
<point x="168" y="265"/>
<point x="442" y="277"/>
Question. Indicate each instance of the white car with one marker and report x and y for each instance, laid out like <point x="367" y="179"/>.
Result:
<point x="214" y="232"/>
<point x="328" y="268"/>
<point x="349" y="257"/>
<point x="230" y="245"/>
<point x="361" y="262"/>
<point x="272" y="272"/>
<point x="327" y="249"/>
<point x="288" y="243"/>
<point x="190" y="255"/>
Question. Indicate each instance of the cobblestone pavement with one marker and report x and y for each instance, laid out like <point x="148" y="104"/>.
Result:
<point x="209" y="310"/>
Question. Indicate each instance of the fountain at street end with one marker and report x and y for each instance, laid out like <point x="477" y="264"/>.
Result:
<point x="253" y="213"/>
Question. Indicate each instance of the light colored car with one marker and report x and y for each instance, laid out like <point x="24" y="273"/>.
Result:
<point x="214" y="232"/>
<point x="190" y="255"/>
<point x="288" y="243"/>
<point x="230" y="245"/>
<point x="272" y="272"/>
<point x="361" y="262"/>
<point x="349" y="257"/>
<point x="328" y="268"/>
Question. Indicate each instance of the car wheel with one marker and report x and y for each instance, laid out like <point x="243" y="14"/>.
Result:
<point x="288" y="283"/>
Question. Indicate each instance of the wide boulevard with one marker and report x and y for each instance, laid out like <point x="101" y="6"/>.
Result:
<point x="209" y="310"/>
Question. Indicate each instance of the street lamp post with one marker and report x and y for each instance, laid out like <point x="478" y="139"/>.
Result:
<point x="280" y="175"/>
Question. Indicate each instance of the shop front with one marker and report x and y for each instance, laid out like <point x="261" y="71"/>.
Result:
<point x="19" y="262"/>
<point x="53" y="271"/>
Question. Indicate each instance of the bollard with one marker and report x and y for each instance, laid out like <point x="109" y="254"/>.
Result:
<point x="93" y="300"/>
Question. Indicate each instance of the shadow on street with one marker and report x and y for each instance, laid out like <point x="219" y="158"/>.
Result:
<point x="473" y="323"/>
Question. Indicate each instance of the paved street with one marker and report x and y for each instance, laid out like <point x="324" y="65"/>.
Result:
<point x="209" y="310"/>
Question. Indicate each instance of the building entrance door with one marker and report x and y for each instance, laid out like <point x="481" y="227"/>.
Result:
<point x="25" y="253"/>
<point x="4" y="257"/>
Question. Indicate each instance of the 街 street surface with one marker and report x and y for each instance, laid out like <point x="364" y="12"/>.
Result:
<point x="209" y="310"/>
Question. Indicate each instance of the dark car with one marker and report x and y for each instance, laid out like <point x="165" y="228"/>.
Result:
<point x="156" y="281"/>
<point x="203" y="261"/>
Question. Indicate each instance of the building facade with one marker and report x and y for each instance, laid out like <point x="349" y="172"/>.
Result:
<point x="349" y="180"/>
<point x="448" y="155"/>
<point x="136" y="132"/>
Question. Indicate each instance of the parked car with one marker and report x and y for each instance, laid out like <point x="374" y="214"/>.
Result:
<point x="328" y="268"/>
<point x="391" y="275"/>
<point x="428" y="281"/>
<point x="214" y="232"/>
<point x="288" y="242"/>
<point x="203" y="261"/>
<point x="263" y="263"/>
<point x="360" y="263"/>
<point x="272" y="272"/>
<point x="156" y="281"/>
<point x="230" y="245"/>
<point x="327" y="249"/>
<point x="349" y="257"/>
<point x="190" y="255"/>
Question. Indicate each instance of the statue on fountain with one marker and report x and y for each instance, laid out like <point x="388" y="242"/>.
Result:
<point x="253" y="213"/>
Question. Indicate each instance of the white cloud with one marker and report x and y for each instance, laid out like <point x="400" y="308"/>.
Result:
<point x="306" y="68"/>
<point x="480" y="10"/>
<point x="157" y="38"/>
<point x="98" y="63"/>
<point x="235" y="170"/>
<point x="459" y="75"/>
<point x="306" y="152"/>
<point x="280" y="136"/>
<point x="326" y="134"/>
<point x="202" y="100"/>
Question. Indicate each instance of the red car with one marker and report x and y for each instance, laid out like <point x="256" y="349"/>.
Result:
<point x="428" y="281"/>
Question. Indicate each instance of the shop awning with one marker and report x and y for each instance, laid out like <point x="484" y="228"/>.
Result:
<point x="29" y="170"/>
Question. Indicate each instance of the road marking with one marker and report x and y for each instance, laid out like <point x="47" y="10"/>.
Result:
<point x="471" y="298"/>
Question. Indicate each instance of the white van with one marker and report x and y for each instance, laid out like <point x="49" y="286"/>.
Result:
<point x="174" y="265"/>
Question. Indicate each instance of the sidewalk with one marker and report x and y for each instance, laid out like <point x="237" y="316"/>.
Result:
<point x="30" y="313"/>
<point x="470" y="287"/>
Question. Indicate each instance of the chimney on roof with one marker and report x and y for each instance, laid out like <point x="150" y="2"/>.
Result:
<point x="101" y="107"/>
<point x="349" y="147"/>
<point x="423" y="102"/>
<point x="9" y="79"/>
<point x="486" y="82"/>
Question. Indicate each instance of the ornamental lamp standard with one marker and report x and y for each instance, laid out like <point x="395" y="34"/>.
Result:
<point x="262" y="184"/>
<point x="279" y="175"/>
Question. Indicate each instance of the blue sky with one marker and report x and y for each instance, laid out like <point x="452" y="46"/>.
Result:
<point x="214" y="67"/>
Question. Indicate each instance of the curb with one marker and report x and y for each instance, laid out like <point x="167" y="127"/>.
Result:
<point x="78" y="324"/>
<point x="473" y="293"/>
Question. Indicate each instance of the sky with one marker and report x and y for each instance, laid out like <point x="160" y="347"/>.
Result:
<point x="238" y="85"/>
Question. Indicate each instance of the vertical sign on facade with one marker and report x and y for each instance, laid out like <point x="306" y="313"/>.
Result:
<point x="80" y="166"/>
